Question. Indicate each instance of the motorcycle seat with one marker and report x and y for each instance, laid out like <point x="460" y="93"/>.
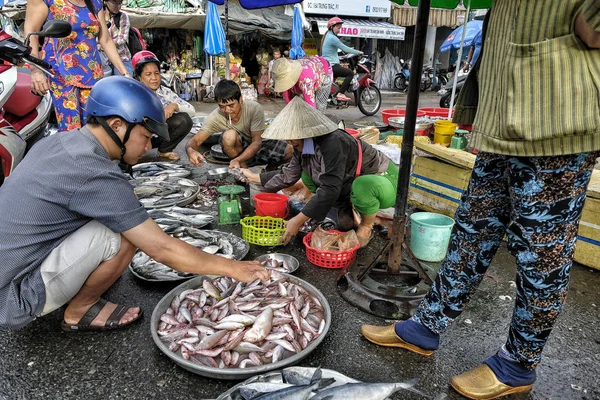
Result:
<point x="22" y="101"/>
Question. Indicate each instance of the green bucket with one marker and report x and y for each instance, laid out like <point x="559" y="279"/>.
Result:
<point x="430" y="235"/>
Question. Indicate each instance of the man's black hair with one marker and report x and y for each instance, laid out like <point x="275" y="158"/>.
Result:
<point x="227" y="90"/>
<point x="92" y="120"/>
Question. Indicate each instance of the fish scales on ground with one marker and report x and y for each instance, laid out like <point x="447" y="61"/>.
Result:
<point x="242" y="319"/>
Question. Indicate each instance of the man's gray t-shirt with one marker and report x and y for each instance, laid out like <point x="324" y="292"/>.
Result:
<point x="64" y="182"/>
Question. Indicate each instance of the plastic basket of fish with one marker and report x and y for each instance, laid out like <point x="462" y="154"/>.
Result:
<point x="213" y="327"/>
<point x="263" y="231"/>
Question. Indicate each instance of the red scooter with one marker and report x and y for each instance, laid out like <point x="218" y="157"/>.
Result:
<point x="23" y="115"/>
<point x="367" y="96"/>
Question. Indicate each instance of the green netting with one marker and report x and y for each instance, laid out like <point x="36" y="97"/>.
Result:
<point x="475" y="4"/>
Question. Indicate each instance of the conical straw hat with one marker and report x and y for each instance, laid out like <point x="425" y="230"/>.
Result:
<point x="286" y="73"/>
<point x="298" y="120"/>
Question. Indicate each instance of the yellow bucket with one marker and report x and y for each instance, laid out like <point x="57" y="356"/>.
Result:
<point x="443" y="130"/>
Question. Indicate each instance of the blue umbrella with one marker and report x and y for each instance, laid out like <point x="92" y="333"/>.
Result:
<point x="297" y="35"/>
<point x="253" y="4"/>
<point x="453" y="41"/>
<point x="214" y="35"/>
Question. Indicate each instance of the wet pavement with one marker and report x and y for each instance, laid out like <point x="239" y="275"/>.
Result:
<point x="41" y="361"/>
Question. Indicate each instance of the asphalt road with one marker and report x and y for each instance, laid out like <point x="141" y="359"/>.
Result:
<point x="42" y="362"/>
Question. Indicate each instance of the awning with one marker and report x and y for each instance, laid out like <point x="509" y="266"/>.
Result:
<point x="363" y="28"/>
<point x="406" y="15"/>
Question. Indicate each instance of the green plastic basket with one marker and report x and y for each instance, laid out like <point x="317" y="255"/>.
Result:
<point x="263" y="231"/>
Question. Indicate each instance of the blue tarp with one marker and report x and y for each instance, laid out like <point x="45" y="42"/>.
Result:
<point x="296" y="50"/>
<point x="453" y="41"/>
<point x="214" y="35"/>
<point x="254" y="4"/>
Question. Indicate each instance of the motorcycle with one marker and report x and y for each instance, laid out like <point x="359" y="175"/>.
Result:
<point x="401" y="78"/>
<point x="24" y="115"/>
<point x="367" y="96"/>
<point x="446" y="91"/>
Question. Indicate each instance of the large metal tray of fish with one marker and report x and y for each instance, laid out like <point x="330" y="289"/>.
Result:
<point x="219" y="243"/>
<point x="145" y="170"/>
<point x="174" y="219"/>
<point x="224" y="329"/>
<point x="164" y="191"/>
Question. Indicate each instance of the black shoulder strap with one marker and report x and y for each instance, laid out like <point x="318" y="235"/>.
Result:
<point x="117" y="20"/>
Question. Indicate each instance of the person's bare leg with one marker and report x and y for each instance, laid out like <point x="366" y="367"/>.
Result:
<point x="364" y="229"/>
<point x="97" y="283"/>
<point x="232" y="145"/>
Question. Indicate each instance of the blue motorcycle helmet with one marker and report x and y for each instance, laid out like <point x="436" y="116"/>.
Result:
<point x="130" y="100"/>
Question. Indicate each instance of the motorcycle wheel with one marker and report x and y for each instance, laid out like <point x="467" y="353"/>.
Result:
<point x="400" y="82"/>
<point x="368" y="100"/>
<point x="445" y="100"/>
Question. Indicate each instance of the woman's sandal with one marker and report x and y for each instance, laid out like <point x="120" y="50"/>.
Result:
<point x="111" y="323"/>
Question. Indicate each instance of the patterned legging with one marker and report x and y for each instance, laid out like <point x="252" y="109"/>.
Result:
<point x="69" y="103"/>
<point x="537" y="202"/>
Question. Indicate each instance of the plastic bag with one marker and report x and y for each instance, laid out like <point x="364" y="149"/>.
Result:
<point x="348" y="241"/>
<point x="323" y="240"/>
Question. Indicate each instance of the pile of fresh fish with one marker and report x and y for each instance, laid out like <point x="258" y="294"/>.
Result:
<point x="301" y="383"/>
<point x="218" y="243"/>
<point x="173" y="219"/>
<point x="278" y="265"/>
<point x="164" y="191"/>
<point x="230" y="324"/>
<point x="159" y="168"/>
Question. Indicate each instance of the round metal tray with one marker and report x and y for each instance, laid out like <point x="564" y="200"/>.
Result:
<point x="184" y="202"/>
<point x="365" y="124"/>
<point x="240" y="250"/>
<point x="185" y="172"/>
<point x="234" y="373"/>
<point x="217" y="152"/>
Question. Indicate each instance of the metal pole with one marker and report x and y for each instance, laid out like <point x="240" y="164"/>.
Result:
<point x="460" y="50"/>
<point x="412" y="104"/>
<point x="227" y="76"/>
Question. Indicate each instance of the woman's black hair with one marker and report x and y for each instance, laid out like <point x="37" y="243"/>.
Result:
<point x="226" y="90"/>
<point x="90" y="6"/>
<point x="140" y="68"/>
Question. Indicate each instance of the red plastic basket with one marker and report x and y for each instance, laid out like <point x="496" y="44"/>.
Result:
<point x="329" y="259"/>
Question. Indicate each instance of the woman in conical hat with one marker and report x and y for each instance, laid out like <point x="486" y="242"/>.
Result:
<point x="343" y="172"/>
<point x="308" y="77"/>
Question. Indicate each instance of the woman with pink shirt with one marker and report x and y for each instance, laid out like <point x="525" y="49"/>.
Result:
<point x="309" y="77"/>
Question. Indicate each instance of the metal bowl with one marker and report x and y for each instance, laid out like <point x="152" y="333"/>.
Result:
<point x="217" y="152"/>
<point x="366" y="124"/>
<point x="234" y="373"/>
<point x="292" y="261"/>
<point x="173" y="180"/>
<point x="218" y="173"/>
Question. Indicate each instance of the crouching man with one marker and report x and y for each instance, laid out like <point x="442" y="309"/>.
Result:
<point x="71" y="223"/>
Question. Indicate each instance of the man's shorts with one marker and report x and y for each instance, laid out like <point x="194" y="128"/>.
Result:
<point x="70" y="264"/>
<point x="271" y="151"/>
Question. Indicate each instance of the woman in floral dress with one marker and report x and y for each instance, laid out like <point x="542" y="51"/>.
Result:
<point x="309" y="77"/>
<point x="75" y="59"/>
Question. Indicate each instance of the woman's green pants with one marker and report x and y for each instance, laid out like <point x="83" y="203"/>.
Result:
<point x="370" y="193"/>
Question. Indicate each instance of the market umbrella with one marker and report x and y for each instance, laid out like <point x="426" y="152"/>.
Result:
<point x="214" y="35"/>
<point x="453" y="41"/>
<point x="297" y="35"/>
<point x="249" y="5"/>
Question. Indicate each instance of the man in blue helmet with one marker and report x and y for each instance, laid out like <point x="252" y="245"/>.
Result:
<point x="70" y="221"/>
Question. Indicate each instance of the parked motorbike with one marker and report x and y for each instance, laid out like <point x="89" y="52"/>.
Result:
<point x="24" y="115"/>
<point x="401" y="78"/>
<point x="446" y="91"/>
<point x="367" y="96"/>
